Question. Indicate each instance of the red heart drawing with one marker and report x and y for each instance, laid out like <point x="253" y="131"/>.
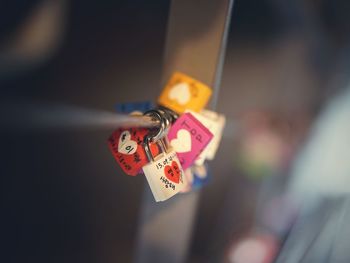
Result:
<point x="173" y="172"/>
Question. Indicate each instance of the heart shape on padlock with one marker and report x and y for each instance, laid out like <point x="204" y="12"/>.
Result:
<point x="183" y="141"/>
<point x="126" y="145"/>
<point x="180" y="92"/>
<point x="172" y="172"/>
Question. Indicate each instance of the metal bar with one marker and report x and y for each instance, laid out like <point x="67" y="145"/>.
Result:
<point x="36" y="116"/>
<point x="197" y="34"/>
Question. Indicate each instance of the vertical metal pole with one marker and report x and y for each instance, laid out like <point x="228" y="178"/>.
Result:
<point x="195" y="45"/>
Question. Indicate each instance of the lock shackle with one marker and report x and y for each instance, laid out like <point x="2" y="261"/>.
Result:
<point x="172" y="115"/>
<point x="160" y="137"/>
<point x="146" y="141"/>
<point x="165" y="121"/>
<point x="154" y="138"/>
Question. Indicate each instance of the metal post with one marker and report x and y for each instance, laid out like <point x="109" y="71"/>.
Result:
<point x="196" y="39"/>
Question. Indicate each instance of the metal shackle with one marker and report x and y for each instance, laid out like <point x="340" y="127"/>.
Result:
<point x="147" y="140"/>
<point x="165" y="123"/>
<point x="172" y="115"/>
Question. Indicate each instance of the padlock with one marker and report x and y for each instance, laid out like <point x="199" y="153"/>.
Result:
<point x="189" y="180"/>
<point x="164" y="173"/>
<point x="196" y="176"/>
<point x="129" y="107"/>
<point x="201" y="176"/>
<point x="215" y="123"/>
<point x="183" y="92"/>
<point x="189" y="137"/>
<point x="127" y="148"/>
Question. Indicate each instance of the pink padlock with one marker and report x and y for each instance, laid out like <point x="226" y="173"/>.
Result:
<point x="188" y="137"/>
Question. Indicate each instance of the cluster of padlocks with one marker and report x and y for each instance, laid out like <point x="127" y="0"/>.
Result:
<point x="172" y="156"/>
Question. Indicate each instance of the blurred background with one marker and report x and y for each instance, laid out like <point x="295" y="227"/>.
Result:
<point x="284" y="82"/>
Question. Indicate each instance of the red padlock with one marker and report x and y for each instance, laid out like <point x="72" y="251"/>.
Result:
<point x="127" y="148"/>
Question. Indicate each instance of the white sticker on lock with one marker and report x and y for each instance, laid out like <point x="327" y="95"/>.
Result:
<point x="215" y="123"/>
<point x="164" y="173"/>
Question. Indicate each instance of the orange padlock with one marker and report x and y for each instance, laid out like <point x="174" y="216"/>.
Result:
<point x="183" y="93"/>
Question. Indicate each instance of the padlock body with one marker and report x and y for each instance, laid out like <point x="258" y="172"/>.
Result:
<point x="196" y="176"/>
<point x="201" y="176"/>
<point x="189" y="137"/>
<point x="165" y="176"/>
<point x="129" y="107"/>
<point x="183" y="92"/>
<point x="126" y="146"/>
<point x="215" y="123"/>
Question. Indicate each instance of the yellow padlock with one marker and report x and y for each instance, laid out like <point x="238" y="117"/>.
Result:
<point x="183" y="93"/>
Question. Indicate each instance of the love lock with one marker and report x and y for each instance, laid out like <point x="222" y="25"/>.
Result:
<point x="189" y="137"/>
<point x="164" y="173"/>
<point x="183" y="93"/>
<point x="126" y="146"/>
<point x="215" y="123"/>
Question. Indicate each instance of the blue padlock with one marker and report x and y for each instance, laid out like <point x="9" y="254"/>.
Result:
<point x="201" y="176"/>
<point x="129" y="107"/>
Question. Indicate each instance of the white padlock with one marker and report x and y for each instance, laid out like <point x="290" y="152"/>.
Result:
<point x="164" y="173"/>
<point x="215" y="123"/>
